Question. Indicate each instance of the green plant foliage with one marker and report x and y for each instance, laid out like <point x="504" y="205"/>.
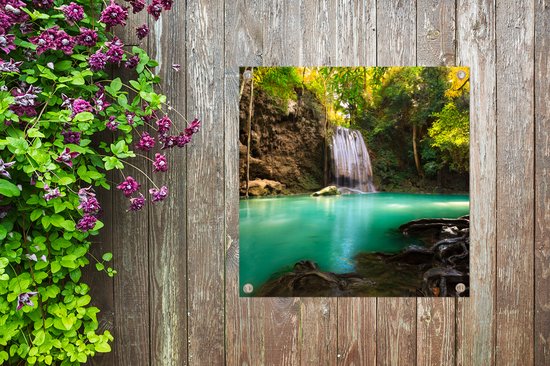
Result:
<point x="55" y="98"/>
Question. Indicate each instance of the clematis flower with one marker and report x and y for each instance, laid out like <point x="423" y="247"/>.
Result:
<point x="132" y="62"/>
<point x="158" y="194"/>
<point x="66" y="157"/>
<point x="169" y="142"/>
<point x="129" y="186"/>
<point x="86" y="223"/>
<point x="130" y="118"/>
<point x="155" y="8"/>
<point x="6" y="43"/>
<point x="146" y="142"/>
<point x="46" y="40"/>
<point x="4" y="167"/>
<point x="164" y="125"/>
<point x="114" y="14"/>
<point x="80" y="105"/>
<point x="73" y="12"/>
<point x="87" y="37"/>
<point x="137" y="5"/>
<point x="112" y="124"/>
<point x="25" y="299"/>
<point x="10" y="66"/>
<point x="160" y="164"/>
<point x="89" y="205"/>
<point x="183" y="139"/>
<point x="43" y="4"/>
<point x="100" y="101"/>
<point x="71" y="137"/>
<point x="97" y="61"/>
<point x="51" y="193"/>
<point x="137" y="203"/>
<point x="64" y="42"/>
<point x="142" y="31"/>
<point x="115" y="50"/>
<point x="32" y="257"/>
<point x="24" y="100"/>
<point x="43" y="258"/>
<point x="166" y="4"/>
<point x="194" y="127"/>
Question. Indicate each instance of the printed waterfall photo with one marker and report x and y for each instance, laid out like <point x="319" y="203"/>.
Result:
<point x="354" y="181"/>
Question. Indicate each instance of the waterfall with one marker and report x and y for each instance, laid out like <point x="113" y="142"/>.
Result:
<point x="351" y="166"/>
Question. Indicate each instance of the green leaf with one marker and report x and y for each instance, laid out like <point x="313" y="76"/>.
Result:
<point x="83" y="117"/>
<point x="103" y="347"/>
<point x="66" y="180"/>
<point x="9" y="189"/>
<point x="36" y="213"/>
<point x="116" y="84"/>
<point x="39" y="338"/>
<point x="107" y="256"/>
<point x="63" y="65"/>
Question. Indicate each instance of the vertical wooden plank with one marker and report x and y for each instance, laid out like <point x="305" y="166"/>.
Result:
<point x="205" y="183"/>
<point x="542" y="183"/>
<point x="476" y="315"/>
<point x="167" y="220"/>
<point x="515" y="189"/>
<point x="130" y="250"/>
<point x="243" y="47"/>
<point x="356" y="46"/>
<point x="396" y="317"/>
<point x="318" y="29"/>
<point x="435" y="40"/>
<point x="283" y="33"/>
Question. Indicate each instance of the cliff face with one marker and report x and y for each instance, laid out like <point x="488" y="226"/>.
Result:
<point x="287" y="142"/>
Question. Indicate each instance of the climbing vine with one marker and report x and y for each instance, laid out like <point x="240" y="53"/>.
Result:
<point x="56" y="97"/>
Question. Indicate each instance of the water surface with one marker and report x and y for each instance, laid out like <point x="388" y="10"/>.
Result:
<point x="277" y="232"/>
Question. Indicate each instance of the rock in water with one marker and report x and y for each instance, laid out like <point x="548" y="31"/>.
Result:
<point x="263" y="187"/>
<point x="327" y="191"/>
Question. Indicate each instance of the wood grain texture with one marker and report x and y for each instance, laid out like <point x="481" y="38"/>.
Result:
<point x="542" y="183"/>
<point x="282" y="33"/>
<point x="167" y="220"/>
<point x="319" y="32"/>
<point x="243" y="46"/>
<point x="205" y="183"/>
<point x="396" y="317"/>
<point x="435" y="32"/>
<point x="435" y="42"/>
<point x="356" y="46"/>
<point x="475" y="315"/>
<point x="515" y="173"/>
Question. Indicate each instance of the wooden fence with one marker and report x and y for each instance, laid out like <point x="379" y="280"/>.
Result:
<point x="175" y="298"/>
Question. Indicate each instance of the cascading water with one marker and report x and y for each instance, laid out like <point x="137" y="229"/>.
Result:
<point x="351" y="167"/>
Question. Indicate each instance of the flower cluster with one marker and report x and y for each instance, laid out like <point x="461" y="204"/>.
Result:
<point x="65" y="121"/>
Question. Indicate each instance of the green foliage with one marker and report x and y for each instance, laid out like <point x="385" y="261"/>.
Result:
<point x="279" y="82"/>
<point x="451" y="134"/>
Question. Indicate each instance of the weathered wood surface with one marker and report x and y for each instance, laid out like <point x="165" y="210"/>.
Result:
<point x="175" y="299"/>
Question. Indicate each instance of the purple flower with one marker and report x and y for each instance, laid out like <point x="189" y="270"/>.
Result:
<point x="142" y="31"/>
<point x="137" y="203"/>
<point x="43" y="4"/>
<point x="169" y="142"/>
<point x="10" y="66"/>
<point x="65" y="43"/>
<point x="85" y="194"/>
<point x="73" y="12"/>
<point x="166" y="4"/>
<point x="43" y="258"/>
<point x="137" y="5"/>
<point x="113" y="15"/>
<point x="97" y="61"/>
<point x="132" y="62"/>
<point x="5" y="22"/>
<point x="164" y="125"/>
<point x="46" y="40"/>
<point x="129" y="186"/>
<point x="87" y="222"/>
<point x="4" y="167"/>
<point x="146" y="142"/>
<point x="158" y="194"/>
<point x="154" y="9"/>
<point x="160" y="164"/>
<point x="89" y="205"/>
<point x="26" y="28"/>
<point x="183" y="139"/>
<point x="193" y="127"/>
<point x="51" y="193"/>
<point x="6" y="42"/>
<point x="71" y="137"/>
<point x="24" y="101"/>
<point x="66" y="157"/>
<point x="87" y="37"/>
<point x="130" y="118"/>
<point x="25" y="299"/>
<point x="80" y="105"/>
<point x="100" y="101"/>
<point x="12" y="9"/>
<point x="112" y="124"/>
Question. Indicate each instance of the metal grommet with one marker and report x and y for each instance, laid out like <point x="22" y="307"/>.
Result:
<point x="461" y="74"/>
<point x="248" y="288"/>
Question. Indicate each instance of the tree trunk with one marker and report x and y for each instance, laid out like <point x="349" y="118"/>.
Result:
<point x="416" y="156"/>
<point x="248" y="132"/>
<point x="242" y="86"/>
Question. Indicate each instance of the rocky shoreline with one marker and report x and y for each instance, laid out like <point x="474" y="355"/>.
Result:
<point x="438" y="268"/>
